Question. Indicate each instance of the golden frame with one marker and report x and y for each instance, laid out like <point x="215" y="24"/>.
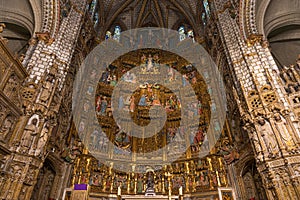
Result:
<point x="226" y="193"/>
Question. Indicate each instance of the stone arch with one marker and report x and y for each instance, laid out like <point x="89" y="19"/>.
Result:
<point x="49" y="179"/>
<point x="251" y="180"/>
<point x="38" y="15"/>
<point x="279" y="22"/>
<point x="18" y="16"/>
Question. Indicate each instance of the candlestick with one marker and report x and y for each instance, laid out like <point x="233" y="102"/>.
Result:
<point x="119" y="191"/>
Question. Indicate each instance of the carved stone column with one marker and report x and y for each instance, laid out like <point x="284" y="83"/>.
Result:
<point x="267" y="114"/>
<point x="47" y="61"/>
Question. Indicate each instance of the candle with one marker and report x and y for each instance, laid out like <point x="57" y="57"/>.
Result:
<point x="180" y="190"/>
<point x="119" y="191"/>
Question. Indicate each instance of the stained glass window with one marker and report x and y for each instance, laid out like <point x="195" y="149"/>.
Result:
<point x="206" y="7"/>
<point x="117" y="33"/>
<point x="182" y="35"/>
<point x="204" y="18"/>
<point x="93" y="7"/>
<point x="96" y="19"/>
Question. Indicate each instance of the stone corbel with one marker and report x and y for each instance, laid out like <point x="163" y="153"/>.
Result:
<point x="45" y="36"/>
<point x="2" y="26"/>
<point x="253" y="39"/>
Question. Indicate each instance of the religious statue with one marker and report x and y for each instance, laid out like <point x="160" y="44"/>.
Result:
<point x="121" y="103"/>
<point x="81" y="128"/>
<point x="283" y="131"/>
<point x="98" y="104"/>
<point x="150" y="183"/>
<point x="47" y="87"/>
<point x="94" y="140"/>
<point x="140" y="186"/>
<point x="182" y="35"/>
<point x="143" y="101"/>
<point x="104" y="105"/>
<point x="30" y="132"/>
<point x="156" y="101"/>
<point x="42" y="140"/>
<point x="129" y="77"/>
<point x="190" y="34"/>
<point x="107" y="35"/>
<point x="149" y="63"/>
<point x="171" y="74"/>
<point x="117" y="34"/>
<point x="104" y="76"/>
<point x="132" y="104"/>
<point x="184" y="80"/>
<point x="268" y="136"/>
<point x="90" y="90"/>
<point x="257" y="145"/>
<point x="113" y="81"/>
<point x="123" y="141"/>
<point x="6" y="126"/>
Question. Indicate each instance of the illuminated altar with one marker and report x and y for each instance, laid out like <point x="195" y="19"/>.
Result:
<point x="188" y="172"/>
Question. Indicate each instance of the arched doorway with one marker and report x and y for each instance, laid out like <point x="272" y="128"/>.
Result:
<point x="252" y="182"/>
<point x="44" y="185"/>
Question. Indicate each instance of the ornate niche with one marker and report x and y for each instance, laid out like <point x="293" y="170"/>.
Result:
<point x="45" y="182"/>
<point x="252" y="182"/>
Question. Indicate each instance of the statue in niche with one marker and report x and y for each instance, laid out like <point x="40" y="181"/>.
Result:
<point x="121" y="103"/>
<point x="98" y="104"/>
<point x="190" y="34"/>
<point x="150" y="182"/>
<point x="117" y="33"/>
<point x="81" y="128"/>
<point x="156" y="101"/>
<point x="268" y="136"/>
<point x="108" y="35"/>
<point x="23" y="192"/>
<point x="86" y="106"/>
<point x="257" y="145"/>
<point x="104" y="146"/>
<point x="104" y="104"/>
<point x="149" y="63"/>
<point x="184" y="80"/>
<point x="90" y="90"/>
<point x="140" y="184"/>
<point x="123" y="140"/>
<point x="129" y="77"/>
<point x="47" y="87"/>
<point x="143" y="59"/>
<point x="182" y="35"/>
<point x="2" y="112"/>
<point x="171" y="74"/>
<point x="132" y="104"/>
<point x="229" y="152"/>
<point x="143" y="100"/>
<point x="6" y="126"/>
<point x="199" y="137"/>
<point x="104" y="77"/>
<point x="93" y="74"/>
<point x="281" y="126"/>
<point x="113" y="81"/>
<point x="127" y="103"/>
<point x="30" y="132"/>
<point x="42" y="140"/>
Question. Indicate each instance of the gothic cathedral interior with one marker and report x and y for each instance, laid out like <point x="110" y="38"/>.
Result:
<point x="149" y="99"/>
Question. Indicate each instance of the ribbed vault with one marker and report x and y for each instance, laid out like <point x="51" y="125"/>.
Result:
<point x="144" y="13"/>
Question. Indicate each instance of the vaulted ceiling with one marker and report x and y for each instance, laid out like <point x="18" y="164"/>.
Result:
<point x="279" y="21"/>
<point x="144" y="13"/>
